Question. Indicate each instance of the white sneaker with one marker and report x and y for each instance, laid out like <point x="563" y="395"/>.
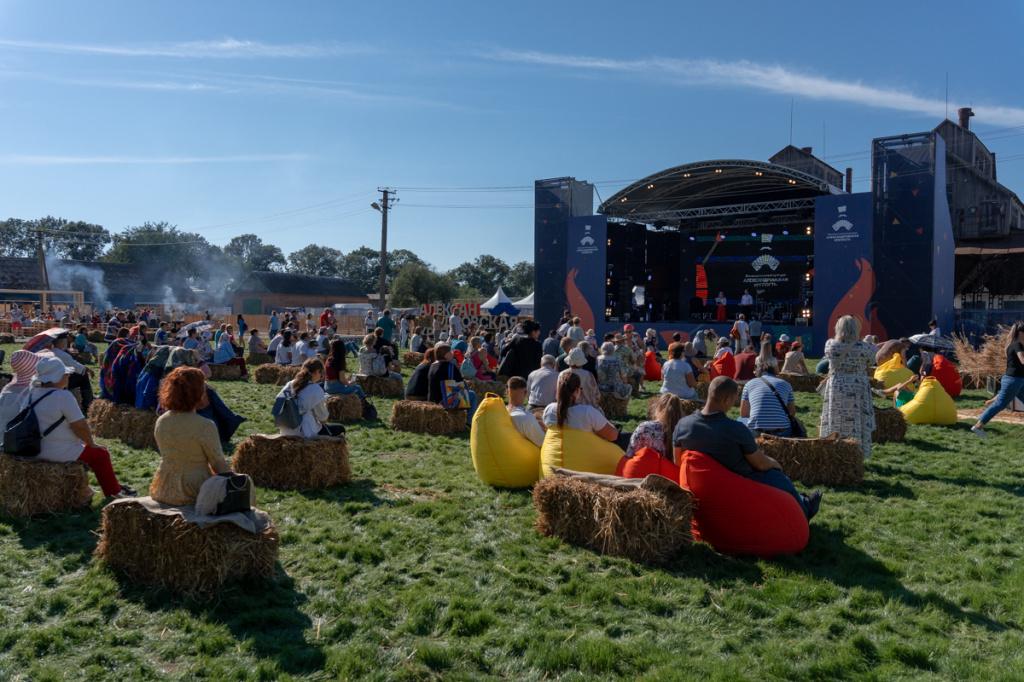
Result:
<point x="979" y="432"/>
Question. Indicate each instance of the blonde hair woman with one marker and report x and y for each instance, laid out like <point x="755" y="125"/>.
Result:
<point x="847" y="407"/>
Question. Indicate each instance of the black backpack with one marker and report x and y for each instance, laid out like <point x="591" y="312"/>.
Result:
<point x="22" y="437"/>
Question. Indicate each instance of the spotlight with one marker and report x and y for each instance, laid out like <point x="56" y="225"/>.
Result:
<point x="809" y="230"/>
<point x="785" y="232"/>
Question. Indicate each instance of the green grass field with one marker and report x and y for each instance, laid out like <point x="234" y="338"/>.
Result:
<point x="416" y="571"/>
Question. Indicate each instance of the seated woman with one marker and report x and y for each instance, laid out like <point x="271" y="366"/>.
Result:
<point x="256" y="345"/>
<point x="285" y="351"/>
<point x="226" y="353"/>
<point x="14" y="395"/>
<point x="724" y="363"/>
<point x="69" y="438"/>
<point x="226" y="421"/>
<point x="569" y="411"/>
<point x="479" y="359"/>
<point x="82" y="344"/>
<point x="795" y="362"/>
<point x="312" y="403"/>
<point x="189" y="445"/>
<point x="677" y="374"/>
<point x="148" y="385"/>
<point x="767" y="402"/>
<point x="338" y="380"/>
<point x="655" y="435"/>
<point x="576" y="362"/>
<point x="442" y="371"/>
<point x="417" y="343"/>
<point x="416" y="389"/>
<point x="373" y="363"/>
<point x="612" y="377"/>
<point x="459" y="348"/>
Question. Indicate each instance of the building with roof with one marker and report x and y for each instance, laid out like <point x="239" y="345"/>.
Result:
<point x="259" y="293"/>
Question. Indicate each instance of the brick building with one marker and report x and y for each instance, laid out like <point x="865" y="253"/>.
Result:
<point x="261" y="292"/>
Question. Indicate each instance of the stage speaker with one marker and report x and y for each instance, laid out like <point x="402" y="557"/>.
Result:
<point x="555" y="202"/>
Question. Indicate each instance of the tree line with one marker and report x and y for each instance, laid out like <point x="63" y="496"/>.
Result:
<point x="411" y="280"/>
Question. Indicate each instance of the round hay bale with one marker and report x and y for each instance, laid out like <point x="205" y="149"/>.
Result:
<point x="30" y="486"/>
<point x="291" y="463"/>
<point x="168" y="552"/>
<point x="803" y="383"/>
<point x="384" y="387"/>
<point x="344" y="408"/>
<point x="817" y="461"/>
<point x="286" y="374"/>
<point x="6" y="338"/>
<point x="420" y="416"/>
<point x="890" y="426"/>
<point x="254" y="359"/>
<point x="225" y="372"/>
<point x="130" y="426"/>
<point x="482" y="388"/>
<point x="646" y="520"/>
<point x="689" y="406"/>
<point x="614" y="407"/>
<point x="266" y="374"/>
<point x="411" y="358"/>
<point x="95" y="336"/>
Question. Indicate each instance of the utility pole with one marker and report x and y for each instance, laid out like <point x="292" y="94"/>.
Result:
<point x="44" y="279"/>
<point x="387" y="199"/>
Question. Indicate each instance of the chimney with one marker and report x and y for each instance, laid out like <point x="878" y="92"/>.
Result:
<point x="965" y="114"/>
<point x="807" y="150"/>
<point x="849" y="180"/>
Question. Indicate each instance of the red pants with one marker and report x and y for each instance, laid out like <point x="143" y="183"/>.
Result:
<point x="98" y="459"/>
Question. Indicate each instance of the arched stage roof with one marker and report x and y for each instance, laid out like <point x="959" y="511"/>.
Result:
<point x="717" y="187"/>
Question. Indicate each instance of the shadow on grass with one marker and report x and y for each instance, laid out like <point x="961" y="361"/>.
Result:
<point x="959" y="481"/>
<point x="71" y="534"/>
<point x="927" y="445"/>
<point x="264" y="616"/>
<point x="357" y="490"/>
<point x="881" y="489"/>
<point x="829" y="557"/>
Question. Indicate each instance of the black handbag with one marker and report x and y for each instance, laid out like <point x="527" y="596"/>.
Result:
<point x="796" y="427"/>
<point x="22" y="437"/>
<point x="237" y="494"/>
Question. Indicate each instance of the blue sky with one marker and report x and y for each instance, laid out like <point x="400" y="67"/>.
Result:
<point x="282" y="119"/>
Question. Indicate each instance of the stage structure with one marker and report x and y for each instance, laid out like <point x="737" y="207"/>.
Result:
<point x="665" y="251"/>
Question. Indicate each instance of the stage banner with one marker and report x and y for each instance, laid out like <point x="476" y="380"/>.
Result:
<point x="844" y="276"/>
<point x="944" y="247"/>
<point x="586" y="256"/>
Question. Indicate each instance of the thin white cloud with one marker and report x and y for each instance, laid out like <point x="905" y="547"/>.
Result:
<point x="60" y="160"/>
<point x="225" y="48"/>
<point x="767" y="77"/>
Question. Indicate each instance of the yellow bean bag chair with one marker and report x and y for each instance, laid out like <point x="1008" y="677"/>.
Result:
<point x="931" y="405"/>
<point x="579" y="451"/>
<point x="892" y="372"/>
<point x="502" y="457"/>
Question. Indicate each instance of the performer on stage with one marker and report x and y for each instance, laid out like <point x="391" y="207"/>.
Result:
<point x="720" y="303"/>
<point x="746" y="303"/>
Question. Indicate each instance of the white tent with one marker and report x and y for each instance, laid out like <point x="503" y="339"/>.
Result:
<point x="500" y="304"/>
<point x="525" y="305"/>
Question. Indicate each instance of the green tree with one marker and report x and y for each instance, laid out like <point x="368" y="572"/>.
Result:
<point x="62" y="238"/>
<point x="322" y="261"/>
<point x="362" y="266"/>
<point x="163" y="244"/>
<point x="251" y="253"/>
<point x="417" y="284"/>
<point x="485" y="274"/>
<point x="520" y="279"/>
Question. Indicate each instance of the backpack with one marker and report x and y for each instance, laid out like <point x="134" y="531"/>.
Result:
<point x="22" y="437"/>
<point x="286" y="410"/>
<point x="468" y="369"/>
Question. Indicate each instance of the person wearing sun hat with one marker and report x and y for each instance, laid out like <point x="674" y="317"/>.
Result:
<point x="70" y="439"/>
<point x="14" y="396"/>
<point x="576" y="359"/>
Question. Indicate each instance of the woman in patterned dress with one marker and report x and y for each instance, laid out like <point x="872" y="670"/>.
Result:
<point x="848" y="409"/>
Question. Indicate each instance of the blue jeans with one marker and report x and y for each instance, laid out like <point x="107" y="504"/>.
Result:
<point x="1009" y="388"/>
<point x="473" y="404"/>
<point x="335" y="387"/>
<point x="777" y="479"/>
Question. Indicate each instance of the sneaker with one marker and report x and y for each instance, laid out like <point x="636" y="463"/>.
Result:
<point x="125" y="492"/>
<point x="979" y="432"/>
<point x="813" y="504"/>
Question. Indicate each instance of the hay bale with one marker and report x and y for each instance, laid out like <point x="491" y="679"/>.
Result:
<point x="170" y="553"/>
<point x="702" y="391"/>
<point x="803" y="383"/>
<point x="6" y="338"/>
<point x="32" y="486"/>
<point x="890" y="426"/>
<point x="411" y="358"/>
<point x="988" y="360"/>
<point x="482" y="388"/>
<point x="266" y="374"/>
<point x="417" y="416"/>
<point x="95" y="336"/>
<point x="689" y="406"/>
<point x="646" y="520"/>
<point x="292" y="463"/>
<point x="614" y="407"/>
<point x="384" y="387"/>
<point x="130" y="426"/>
<point x="225" y="372"/>
<point x="817" y="461"/>
<point x="344" y="408"/>
<point x="254" y="359"/>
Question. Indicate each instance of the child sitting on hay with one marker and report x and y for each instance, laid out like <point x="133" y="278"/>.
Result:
<point x="312" y="403"/>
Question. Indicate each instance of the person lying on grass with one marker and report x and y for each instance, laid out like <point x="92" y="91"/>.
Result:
<point x="711" y="432"/>
<point x="525" y="422"/>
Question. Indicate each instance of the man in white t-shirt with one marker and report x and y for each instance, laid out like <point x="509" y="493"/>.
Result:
<point x="527" y="424"/>
<point x="742" y="336"/>
<point x="303" y="350"/>
<point x="66" y="436"/>
<point x="454" y="327"/>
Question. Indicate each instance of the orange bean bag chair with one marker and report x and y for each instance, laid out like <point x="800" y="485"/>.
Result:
<point x="647" y="461"/>
<point x="723" y="366"/>
<point x="948" y="375"/>
<point x="737" y="515"/>
<point x="652" y="369"/>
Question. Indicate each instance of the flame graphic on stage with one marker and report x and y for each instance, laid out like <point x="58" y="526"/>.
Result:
<point x="578" y="305"/>
<point x="857" y="300"/>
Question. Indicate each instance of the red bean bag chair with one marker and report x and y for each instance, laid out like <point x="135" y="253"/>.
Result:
<point x="736" y="515"/>
<point x="652" y="369"/>
<point x="647" y="461"/>
<point x="948" y="375"/>
<point x="723" y="366"/>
